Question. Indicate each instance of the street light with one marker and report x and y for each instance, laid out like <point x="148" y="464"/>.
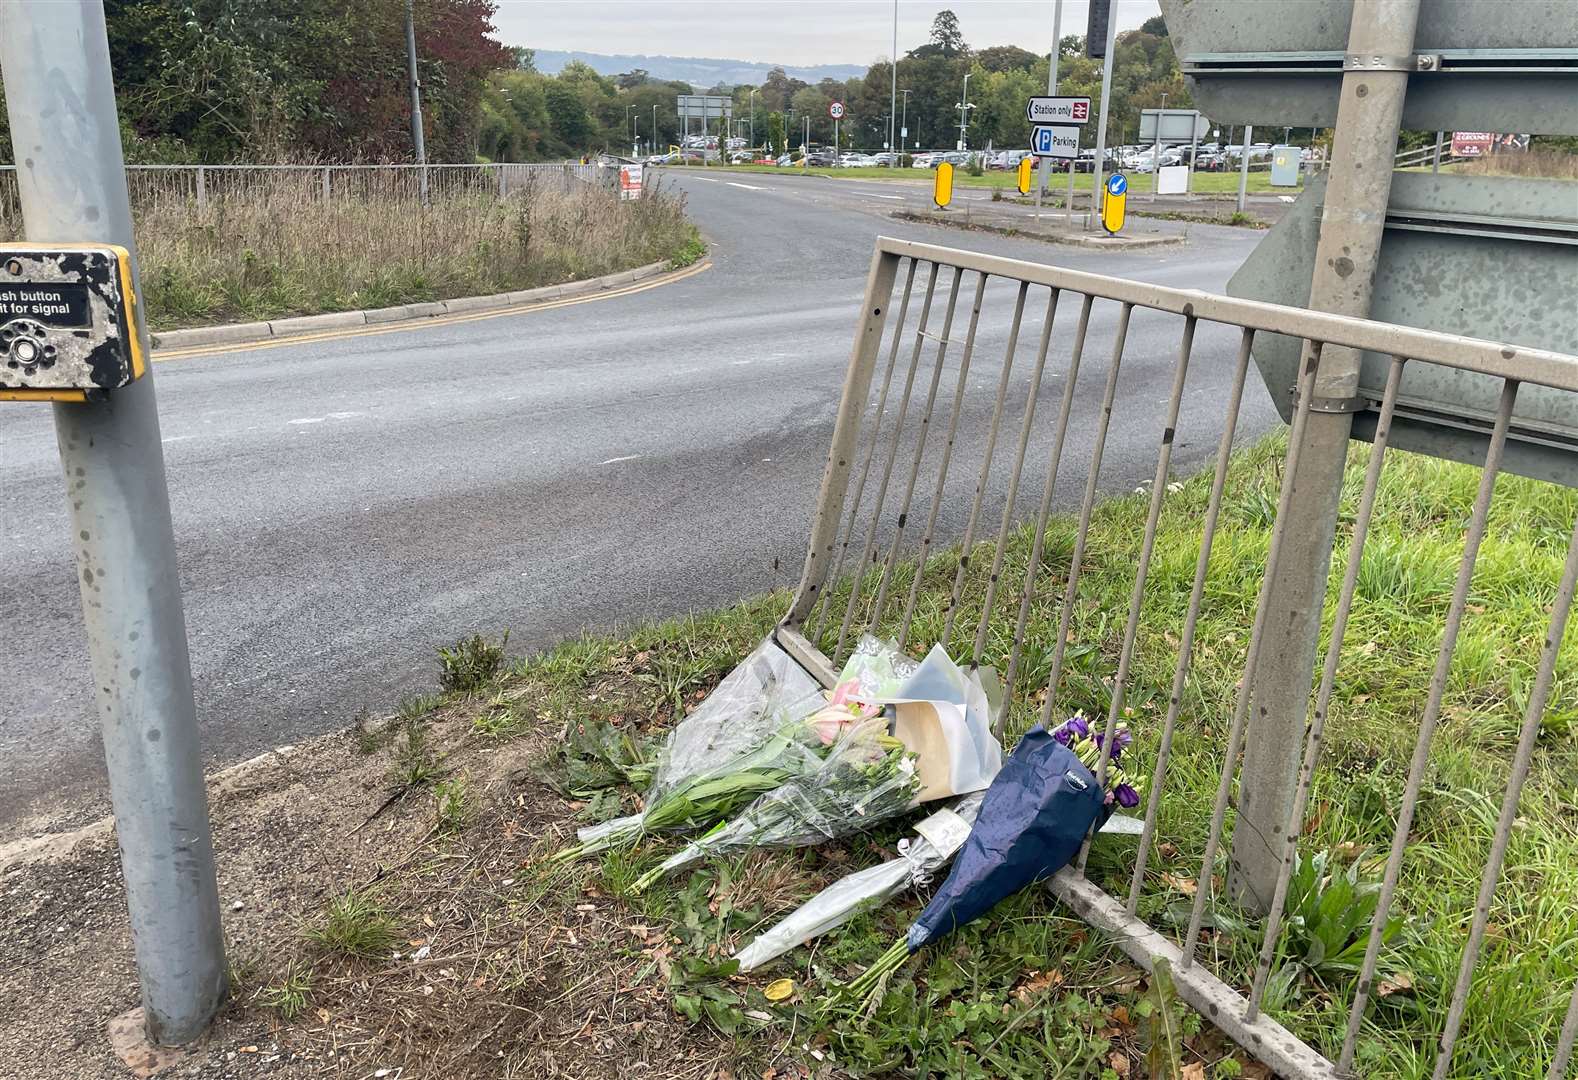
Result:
<point x="964" y="108"/>
<point x="654" y="129"/>
<point x="753" y="115"/>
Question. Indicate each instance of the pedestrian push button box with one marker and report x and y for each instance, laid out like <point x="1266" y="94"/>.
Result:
<point x="68" y="322"/>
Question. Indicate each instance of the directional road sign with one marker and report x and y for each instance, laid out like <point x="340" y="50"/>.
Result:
<point x="1177" y="125"/>
<point x="1058" y="110"/>
<point x="1054" y="141"/>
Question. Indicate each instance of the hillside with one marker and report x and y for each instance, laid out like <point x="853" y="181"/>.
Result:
<point x="701" y="72"/>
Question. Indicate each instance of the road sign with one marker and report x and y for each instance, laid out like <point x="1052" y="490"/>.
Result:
<point x="1058" y="110"/>
<point x="1114" y="202"/>
<point x="835" y="109"/>
<point x="1055" y="141"/>
<point x="942" y="186"/>
<point x="1454" y="257"/>
<point x="630" y="182"/>
<point x="1474" y="62"/>
<point x="1177" y="125"/>
<point x="1025" y="165"/>
<point x="68" y="322"/>
<point x="704" y="106"/>
<point x="1472" y="143"/>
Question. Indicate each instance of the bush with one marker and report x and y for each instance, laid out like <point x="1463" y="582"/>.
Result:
<point x="468" y="664"/>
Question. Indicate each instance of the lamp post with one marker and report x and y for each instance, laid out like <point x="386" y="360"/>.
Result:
<point x="635" y="148"/>
<point x="654" y="129"/>
<point x="964" y="108"/>
<point x="893" y="89"/>
<point x="753" y="115"/>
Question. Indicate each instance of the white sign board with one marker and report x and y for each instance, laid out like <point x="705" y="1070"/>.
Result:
<point x="1172" y="179"/>
<point x="1058" y="110"/>
<point x="630" y="182"/>
<point x="836" y="110"/>
<point x="1054" y="141"/>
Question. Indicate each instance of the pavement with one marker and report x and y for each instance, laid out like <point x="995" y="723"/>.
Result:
<point x="345" y="504"/>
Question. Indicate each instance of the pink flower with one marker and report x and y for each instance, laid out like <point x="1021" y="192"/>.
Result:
<point x="833" y="721"/>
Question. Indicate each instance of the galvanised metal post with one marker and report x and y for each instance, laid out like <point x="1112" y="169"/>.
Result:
<point x="1098" y="172"/>
<point x="1057" y="37"/>
<point x="72" y="179"/>
<point x="418" y="144"/>
<point x="1243" y="169"/>
<point x="1375" y="78"/>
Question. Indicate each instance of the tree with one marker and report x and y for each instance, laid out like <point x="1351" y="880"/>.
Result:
<point x="1005" y="58"/>
<point x="524" y="59"/>
<point x="945" y="34"/>
<point x="1155" y="26"/>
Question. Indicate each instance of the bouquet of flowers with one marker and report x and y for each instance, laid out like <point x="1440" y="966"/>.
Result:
<point x="1033" y="820"/>
<point x="890" y="749"/>
<point x="750" y="735"/>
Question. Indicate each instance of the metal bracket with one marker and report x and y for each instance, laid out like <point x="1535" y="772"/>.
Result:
<point x="1320" y="404"/>
<point x="1377" y="62"/>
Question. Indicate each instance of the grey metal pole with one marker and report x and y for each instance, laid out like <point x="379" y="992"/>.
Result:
<point x="72" y="181"/>
<point x="1057" y="37"/>
<point x="1098" y="172"/>
<point x="1156" y="154"/>
<point x="1243" y="169"/>
<point x="1435" y="162"/>
<point x="893" y="90"/>
<point x="1194" y="151"/>
<point x="1363" y="147"/>
<point x="417" y="143"/>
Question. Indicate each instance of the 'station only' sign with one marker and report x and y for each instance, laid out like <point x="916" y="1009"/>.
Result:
<point x="1058" y="110"/>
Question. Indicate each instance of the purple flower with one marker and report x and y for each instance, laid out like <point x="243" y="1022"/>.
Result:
<point x="1127" y="796"/>
<point x="1120" y="743"/>
<point x="1071" y="730"/>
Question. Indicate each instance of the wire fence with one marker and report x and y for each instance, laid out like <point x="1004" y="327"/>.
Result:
<point x="981" y="387"/>
<point x="200" y="185"/>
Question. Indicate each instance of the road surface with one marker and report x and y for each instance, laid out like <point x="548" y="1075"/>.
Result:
<point x="343" y="506"/>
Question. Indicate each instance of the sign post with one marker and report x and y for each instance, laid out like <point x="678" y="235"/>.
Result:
<point x="1052" y="59"/>
<point x="942" y="186"/>
<point x="1056" y="122"/>
<point x="60" y="97"/>
<point x="1099" y="167"/>
<point x="835" y="109"/>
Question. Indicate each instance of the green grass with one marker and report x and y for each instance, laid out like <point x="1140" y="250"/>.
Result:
<point x="950" y="1010"/>
<point x="357" y="925"/>
<point x="1139" y="183"/>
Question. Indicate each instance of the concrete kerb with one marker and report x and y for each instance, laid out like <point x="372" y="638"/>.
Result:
<point x="242" y="333"/>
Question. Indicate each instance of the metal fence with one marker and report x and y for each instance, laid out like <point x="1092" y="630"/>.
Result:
<point x="915" y="457"/>
<point x="202" y="184"/>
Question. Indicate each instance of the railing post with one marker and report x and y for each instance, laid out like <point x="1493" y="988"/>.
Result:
<point x="202" y="188"/>
<point x="503" y="184"/>
<point x="326" y="188"/>
<point x="1363" y="149"/>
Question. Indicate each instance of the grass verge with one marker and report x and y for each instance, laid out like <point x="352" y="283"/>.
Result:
<point x="276" y="247"/>
<point x="531" y="951"/>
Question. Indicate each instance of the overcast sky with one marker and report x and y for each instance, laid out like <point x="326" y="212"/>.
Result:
<point x="798" y="32"/>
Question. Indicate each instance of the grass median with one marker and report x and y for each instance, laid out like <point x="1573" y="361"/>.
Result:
<point x="1029" y="990"/>
<point x="277" y="247"/>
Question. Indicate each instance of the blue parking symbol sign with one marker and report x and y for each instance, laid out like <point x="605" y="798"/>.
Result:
<point x="1117" y="184"/>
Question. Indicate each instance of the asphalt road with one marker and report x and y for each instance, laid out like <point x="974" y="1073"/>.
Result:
<point x="343" y="506"/>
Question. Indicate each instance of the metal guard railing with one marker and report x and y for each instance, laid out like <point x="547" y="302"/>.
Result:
<point x="880" y="446"/>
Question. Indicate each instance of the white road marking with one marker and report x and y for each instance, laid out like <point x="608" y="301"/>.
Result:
<point x="616" y="460"/>
<point x="708" y="179"/>
<point x="747" y="187"/>
<point x="321" y="419"/>
<point x="177" y="438"/>
<point x="874" y="195"/>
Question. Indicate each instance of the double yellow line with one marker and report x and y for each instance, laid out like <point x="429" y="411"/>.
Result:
<point x="423" y="324"/>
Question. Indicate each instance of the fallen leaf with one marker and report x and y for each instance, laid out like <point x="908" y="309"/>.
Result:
<point x="779" y="990"/>
<point x="1347" y="851"/>
<point x="249" y="1049"/>
<point x="1119" y="1063"/>
<point x="427" y="921"/>
<point x="1192" y="1071"/>
<point x="1400" y="983"/>
<point x="1185" y="885"/>
<point x="1037" y="981"/>
<point x="1120" y="1016"/>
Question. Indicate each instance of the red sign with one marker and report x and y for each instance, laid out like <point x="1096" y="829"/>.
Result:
<point x="1472" y="143"/>
<point x="1082" y="111"/>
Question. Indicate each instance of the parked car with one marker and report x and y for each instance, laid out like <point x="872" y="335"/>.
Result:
<point x="886" y="158"/>
<point x="855" y="161"/>
<point x="821" y="158"/>
<point x="923" y="161"/>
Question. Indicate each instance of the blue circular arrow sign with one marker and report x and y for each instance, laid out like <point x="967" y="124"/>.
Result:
<point x="1117" y="184"/>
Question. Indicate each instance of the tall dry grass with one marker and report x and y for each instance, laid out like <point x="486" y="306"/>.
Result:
<point x="275" y="246"/>
<point x="1549" y="164"/>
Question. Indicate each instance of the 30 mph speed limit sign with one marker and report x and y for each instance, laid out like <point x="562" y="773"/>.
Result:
<point x="836" y="110"/>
